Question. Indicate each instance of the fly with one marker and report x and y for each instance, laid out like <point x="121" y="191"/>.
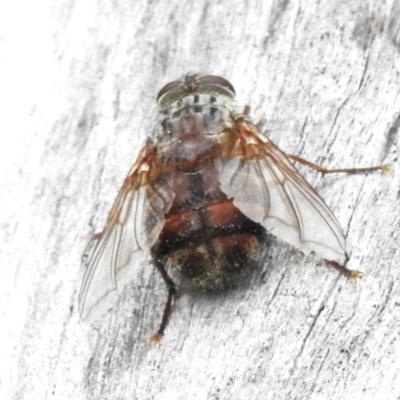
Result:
<point x="206" y="193"/>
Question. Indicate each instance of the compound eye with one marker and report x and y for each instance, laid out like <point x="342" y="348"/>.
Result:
<point x="218" y="81"/>
<point x="168" y="88"/>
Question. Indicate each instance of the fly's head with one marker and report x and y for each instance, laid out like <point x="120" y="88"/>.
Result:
<point x="192" y="84"/>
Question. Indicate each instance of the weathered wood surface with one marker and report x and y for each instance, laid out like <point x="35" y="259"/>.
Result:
<point x="78" y="83"/>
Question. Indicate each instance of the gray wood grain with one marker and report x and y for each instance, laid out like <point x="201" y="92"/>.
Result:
<point x="79" y="81"/>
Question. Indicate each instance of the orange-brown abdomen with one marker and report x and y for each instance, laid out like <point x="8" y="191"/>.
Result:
<point x="205" y="237"/>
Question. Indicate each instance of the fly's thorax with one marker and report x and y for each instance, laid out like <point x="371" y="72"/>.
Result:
<point x="199" y="113"/>
<point x="188" y="129"/>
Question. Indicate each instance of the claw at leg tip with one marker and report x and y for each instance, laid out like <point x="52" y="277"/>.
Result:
<point x="355" y="275"/>
<point x="156" y="339"/>
<point x="386" y="169"/>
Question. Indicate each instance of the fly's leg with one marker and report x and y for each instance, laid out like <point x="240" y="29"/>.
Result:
<point x="384" y="168"/>
<point x="260" y="123"/>
<point x="351" y="275"/>
<point x="247" y="110"/>
<point x="156" y="338"/>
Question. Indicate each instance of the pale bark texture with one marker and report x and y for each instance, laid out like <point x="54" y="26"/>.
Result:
<point x="78" y="83"/>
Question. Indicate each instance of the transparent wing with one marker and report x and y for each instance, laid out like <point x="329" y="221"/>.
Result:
<point x="133" y="225"/>
<point x="267" y="188"/>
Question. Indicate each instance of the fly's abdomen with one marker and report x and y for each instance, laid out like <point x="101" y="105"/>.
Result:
<point x="205" y="237"/>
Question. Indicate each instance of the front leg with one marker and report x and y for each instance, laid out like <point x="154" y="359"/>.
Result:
<point x="384" y="168"/>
